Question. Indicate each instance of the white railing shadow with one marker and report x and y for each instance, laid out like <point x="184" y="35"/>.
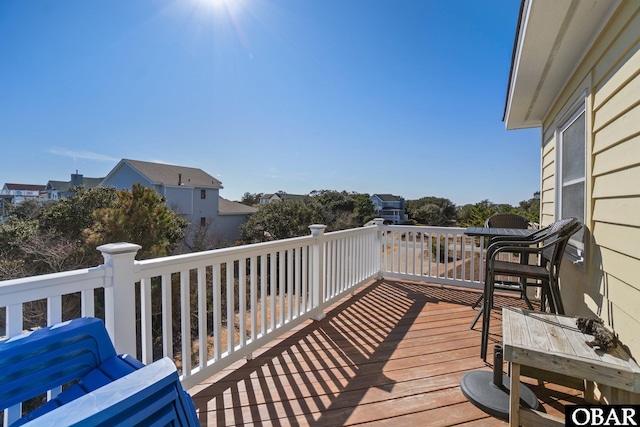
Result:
<point x="209" y="309"/>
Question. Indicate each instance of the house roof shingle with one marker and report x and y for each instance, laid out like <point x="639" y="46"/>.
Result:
<point x="174" y="175"/>
<point x="388" y="197"/>
<point x="227" y="207"/>
<point x="25" y="187"/>
<point x="63" y="186"/>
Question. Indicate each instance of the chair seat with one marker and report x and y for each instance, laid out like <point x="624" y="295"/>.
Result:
<point x="517" y="269"/>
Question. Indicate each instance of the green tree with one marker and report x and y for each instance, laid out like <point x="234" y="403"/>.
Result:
<point x="47" y="238"/>
<point x="338" y="210"/>
<point x="251" y="199"/>
<point x="429" y="214"/>
<point x="431" y="210"/>
<point x="280" y="220"/>
<point x="530" y="208"/>
<point x="363" y="208"/>
<point x="479" y="213"/>
<point x="138" y="216"/>
<point x="463" y="214"/>
<point x="71" y="216"/>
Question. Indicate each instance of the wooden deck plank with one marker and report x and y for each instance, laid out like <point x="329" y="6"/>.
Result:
<point x="392" y="354"/>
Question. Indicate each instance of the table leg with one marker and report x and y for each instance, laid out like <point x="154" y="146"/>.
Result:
<point x="514" y="395"/>
<point x="475" y="319"/>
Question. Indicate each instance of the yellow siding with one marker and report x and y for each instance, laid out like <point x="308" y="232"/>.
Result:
<point x="549" y="196"/>
<point x="621" y="266"/>
<point x="621" y="101"/>
<point x="620" y="184"/>
<point x="620" y="238"/>
<point x="617" y="211"/>
<point x="621" y="128"/>
<point x="617" y="157"/>
<point x="610" y="71"/>
<point x="548" y="184"/>
<point x="609" y="284"/>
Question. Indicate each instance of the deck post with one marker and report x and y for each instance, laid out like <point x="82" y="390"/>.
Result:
<point x="317" y="270"/>
<point x="379" y="222"/>
<point x="120" y="296"/>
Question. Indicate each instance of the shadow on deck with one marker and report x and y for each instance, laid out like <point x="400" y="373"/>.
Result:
<point x="392" y="354"/>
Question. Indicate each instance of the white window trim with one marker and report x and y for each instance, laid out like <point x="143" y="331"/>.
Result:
<point x="575" y="249"/>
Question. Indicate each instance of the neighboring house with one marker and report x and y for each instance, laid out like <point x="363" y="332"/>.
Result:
<point x="231" y="215"/>
<point x="62" y="189"/>
<point x="17" y="193"/>
<point x="279" y="197"/>
<point x="391" y="208"/>
<point x="576" y="75"/>
<point x="190" y="192"/>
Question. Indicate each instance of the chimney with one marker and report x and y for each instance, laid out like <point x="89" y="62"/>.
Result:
<point x="179" y="179"/>
<point x="76" y="179"/>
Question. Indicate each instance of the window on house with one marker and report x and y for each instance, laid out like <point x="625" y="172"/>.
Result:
<point x="203" y="222"/>
<point x="203" y="194"/>
<point x="571" y="179"/>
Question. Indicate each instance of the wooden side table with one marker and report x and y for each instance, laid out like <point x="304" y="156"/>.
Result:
<point x="553" y="343"/>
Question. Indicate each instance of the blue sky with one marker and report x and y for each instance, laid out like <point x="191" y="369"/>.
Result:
<point x="373" y="96"/>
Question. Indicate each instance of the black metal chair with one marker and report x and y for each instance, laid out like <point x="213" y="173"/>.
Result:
<point x="507" y="220"/>
<point x="548" y="246"/>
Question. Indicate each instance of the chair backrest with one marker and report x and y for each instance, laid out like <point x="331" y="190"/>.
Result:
<point x="507" y="220"/>
<point x="558" y="234"/>
<point x="33" y="363"/>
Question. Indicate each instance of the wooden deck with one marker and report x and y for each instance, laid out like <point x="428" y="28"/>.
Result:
<point x="393" y="354"/>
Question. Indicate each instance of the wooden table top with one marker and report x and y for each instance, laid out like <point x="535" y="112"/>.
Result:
<point x="554" y="343"/>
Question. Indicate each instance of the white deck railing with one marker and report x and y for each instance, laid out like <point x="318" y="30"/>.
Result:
<point x="209" y="309"/>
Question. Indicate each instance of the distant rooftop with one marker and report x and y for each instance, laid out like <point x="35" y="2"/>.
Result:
<point x="174" y="175"/>
<point x="24" y="187"/>
<point x="388" y="197"/>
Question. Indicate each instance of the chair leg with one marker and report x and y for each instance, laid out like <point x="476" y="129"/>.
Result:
<point x="523" y="294"/>
<point x="555" y="297"/>
<point x="475" y="304"/>
<point x="475" y="319"/>
<point x="487" y="307"/>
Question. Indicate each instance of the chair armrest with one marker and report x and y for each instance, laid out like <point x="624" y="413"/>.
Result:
<point x="512" y="246"/>
<point x="152" y="394"/>
<point x="519" y="249"/>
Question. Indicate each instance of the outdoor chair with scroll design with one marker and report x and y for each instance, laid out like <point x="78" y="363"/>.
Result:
<point x="547" y="247"/>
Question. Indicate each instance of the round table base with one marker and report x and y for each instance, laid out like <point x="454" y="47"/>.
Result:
<point x="479" y="388"/>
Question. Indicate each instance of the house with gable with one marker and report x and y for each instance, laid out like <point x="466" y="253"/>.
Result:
<point x="57" y="190"/>
<point x="279" y="197"/>
<point x="575" y="74"/>
<point x="391" y="208"/>
<point x="190" y="192"/>
<point x="13" y="194"/>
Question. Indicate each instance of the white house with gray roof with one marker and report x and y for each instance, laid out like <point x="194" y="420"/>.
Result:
<point x="190" y="192"/>
<point x="390" y="207"/>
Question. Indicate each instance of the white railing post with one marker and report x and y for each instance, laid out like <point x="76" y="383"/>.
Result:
<point x="378" y="222"/>
<point x="120" y="296"/>
<point x="317" y="268"/>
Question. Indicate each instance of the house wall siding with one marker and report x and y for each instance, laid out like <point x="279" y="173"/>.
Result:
<point x="227" y="227"/>
<point x="548" y="185"/>
<point x="609" y="280"/>
<point x="124" y="179"/>
<point x="180" y="199"/>
<point x="207" y="207"/>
